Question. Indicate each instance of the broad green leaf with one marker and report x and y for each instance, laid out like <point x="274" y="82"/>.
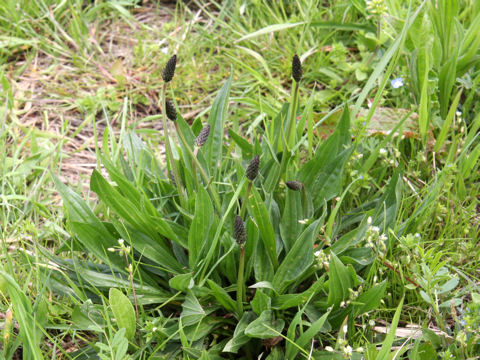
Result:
<point x="304" y="339"/>
<point x="286" y="301"/>
<point x="265" y="326"/>
<point x="182" y="282"/>
<point x="200" y="227"/>
<point x="98" y="239"/>
<point x="222" y="296"/>
<point x="123" y="311"/>
<point x="323" y="174"/>
<point x="290" y="228"/>
<point x="245" y="146"/>
<point x="192" y="311"/>
<point x="120" y="205"/>
<point x="239" y="338"/>
<point x="370" y="300"/>
<point x="260" y="302"/>
<point x="87" y="316"/>
<point x="339" y="282"/>
<point x="262" y="219"/>
<point x="148" y="248"/>
<point x="262" y="265"/>
<point x="262" y="285"/>
<point x="214" y="145"/>
<point x="298" y="259"/>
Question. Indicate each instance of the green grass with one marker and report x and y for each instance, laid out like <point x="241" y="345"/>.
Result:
<point x="81" y="85"/>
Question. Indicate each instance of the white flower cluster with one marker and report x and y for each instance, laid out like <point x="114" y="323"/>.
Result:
<point x="376" y="7"/>
<point x="122" y="248"/>
<point x="374" y="239"/>
<point x="322" y="259"/>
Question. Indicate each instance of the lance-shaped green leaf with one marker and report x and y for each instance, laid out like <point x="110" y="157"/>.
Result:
<point x="200" y="227"/>
<point x="298" y="259"/>
<point x="123" y="311"/>
<point x="216" y="120"/>
<point x="265" y="326"/>
<point x="261" y="217"/>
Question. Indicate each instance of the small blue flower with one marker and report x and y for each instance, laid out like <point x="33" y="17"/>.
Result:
<point x="396" y="83"/>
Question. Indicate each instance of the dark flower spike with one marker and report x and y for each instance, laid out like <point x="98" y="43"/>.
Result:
<point x="169" y="69"/>
<point x="294" y="185"/>
<point x="252" y="169"/>
<point x="203" y="136"/>
<point x="296" y="68"/>
<point x="170" y="110"/>
<point x="239" y="232"/>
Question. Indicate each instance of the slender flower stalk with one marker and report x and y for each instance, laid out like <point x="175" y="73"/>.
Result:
<point x="199" y="142"/>
<point x="297" y="76"/>
<point x="240" y="236"/>
<point x="168" y="149"/>
<point x="290" y="135"/>
<point x="208" y="184"/>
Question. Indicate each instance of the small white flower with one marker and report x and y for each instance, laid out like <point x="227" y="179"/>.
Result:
<point x="165" y="50"/>
<point x="396" y="83"/>
<point x="369" y="220"/>
<point x="329" y="348"/>
<point x="348" y="350"/>
<point x="317" y="253"/>
<point x="120" y="242"/>
<point x="111" y="249"/>
<point x="383" y="152"/>
<point x="154" y="329"/>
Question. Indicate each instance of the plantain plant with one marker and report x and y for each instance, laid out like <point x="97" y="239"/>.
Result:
<point x="232" y="247"/>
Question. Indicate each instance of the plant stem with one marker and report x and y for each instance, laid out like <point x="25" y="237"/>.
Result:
<point x="290" y="136"/>
<point x="291" y="124"/>
<point x="168" y="149"/>
<point x="200" y="168"/>
<point x="240" y="284"/>
<point x="130" y="275"/>
<point x="244" y="204"/>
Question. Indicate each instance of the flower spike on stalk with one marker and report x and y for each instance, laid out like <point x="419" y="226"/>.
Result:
<point x="294" y="185"/>
<point x="203" y="136"/>
<point x="296" y="68"/>
<point x="170" y="110"/>
<point x="169" y="69"/>
<point x="252" y="169"/>
<point x="239" y="230"/>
